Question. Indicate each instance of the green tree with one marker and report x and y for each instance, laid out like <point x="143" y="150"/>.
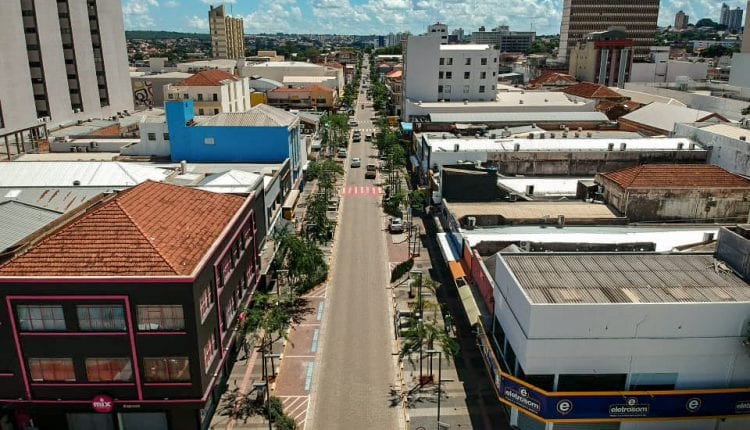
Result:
<point x="426" y="334"/>
<point x="715" y="51"/>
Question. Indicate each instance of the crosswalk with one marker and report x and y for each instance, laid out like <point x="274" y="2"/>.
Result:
<point x="355" y="190"/>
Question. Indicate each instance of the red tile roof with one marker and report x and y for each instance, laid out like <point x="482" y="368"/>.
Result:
<point x="153" y="229"/>
<point x="396" y="74"/>
<point x="591" y="90"/>
<point x="550" y="76"/>
<point x="676" y="176"/>
<point x="207" y="78"/>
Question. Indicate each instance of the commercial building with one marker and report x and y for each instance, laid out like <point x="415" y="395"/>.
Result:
<point x="263" y="134"/>
<point x="142" y="308"/>
<point x="280" y="70"/>
<point x="677" y="193"/>
<point x="314" y="96"/>
<point x="581" y="17"/>
<point x="212" y="92"/>
<point x="681" y="20"/>
<point x="728" y="142"/>
<point x="227" y="34"/>
<point x="603" y="57"/>
<point x="63" y="61"/>
<point x="148" y="89"/>
<point x="504" y="40"/>
<point x="660" y="118"/>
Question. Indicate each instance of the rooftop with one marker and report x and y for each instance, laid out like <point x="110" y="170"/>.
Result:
<point x="153" y="229"/>
<point x="261" y="115"/>
<point x="306" y="79"/>
<point x="208" y="78"/>
<point x="676" y="176"/>
<point x="62" y="199"/>
<point x="728" y="130"/>
<point x="625" y="278"/>
<point x="515" y="117"/>
<point x="664" y="116"/>
<point x="590" y="90"/>
<point x="20" y="220"/>
<point x="78" y="173"/>
<point x="570" y="144"/>
<point x="533" y="210"/>
<point x="280" y="64"/>
<point x="465" y="47"/>
<point x="543" y="187"/>
<point x="231" y="181"/>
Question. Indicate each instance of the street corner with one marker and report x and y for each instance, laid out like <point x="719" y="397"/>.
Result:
<point x="296" y="377"/>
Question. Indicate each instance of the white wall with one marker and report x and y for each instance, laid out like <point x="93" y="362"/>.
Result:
<point x="668" y="71"/>
<point x="740" y="72"/>
<point x="232" y="96"/>
<point x="726" y="107"/>
<point x="421" y="67"/>
<point x="726" y="152"/>
<point x="157" y="148"/>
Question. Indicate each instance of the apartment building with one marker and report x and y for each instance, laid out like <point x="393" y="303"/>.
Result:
<point x="143" y="318"/>
<point x="681" y="20"/>
<point x="433" y="71"/>
<point x="212" y="92"/>
<point x="227" y="34"/>
<point x="62" y="61"/>
<point x="505" y="40"/>
<point x="441" y="29"/>
<point x="581" y="17"/>
<point x="603" y="57"/>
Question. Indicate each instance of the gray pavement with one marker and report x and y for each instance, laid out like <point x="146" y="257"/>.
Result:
<point x="356" y="369"/>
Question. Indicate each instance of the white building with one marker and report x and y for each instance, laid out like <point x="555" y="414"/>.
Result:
<point x="434" y="72"/>
<point x="648" y="324"/>
<point x="213" y="92"/>
<point x="278" y="70"/>
<point x="62" y="61"/>
<point x="440" y="29"/>
<point x="740" y="74"/>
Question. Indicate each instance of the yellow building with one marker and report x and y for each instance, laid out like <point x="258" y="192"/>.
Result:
<point x="314" y="96"/>
<point x="227" y="34"/>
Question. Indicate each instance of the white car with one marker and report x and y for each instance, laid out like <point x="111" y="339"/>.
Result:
<point x="396" y="225"/>
<point x="341" y="153"/>
<point x="356" y="162"/>
<point x="353" y="123"/>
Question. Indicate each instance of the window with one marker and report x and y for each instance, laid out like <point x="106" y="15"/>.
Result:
<point x="446" y="88"/>
<point x="229" y="309"/>
<point x="166" y="136"/>
<point x="466" y="89"/>
<point x="185" y="96"/>
<point x="171" y="96"/>
<point x="482" y="75"/>
<point x="208" y="141"/>
<point x="483" y="61"/>
<point x="481" y="88"/>
<point x="206" y="300"/>
<point x="468" y="61"/>
<point x="467" y="75"/>
<point x="442" y="61"/>
<point x="448" y="75"/>
<point x="152" y="136"/>
<point x="216" y="111"/>
<point x="216" y="97"/>
<point x="200" y="111"/>
<point x="52" y="369"/>
<point x="160" y="317"/>
<point x="450" y="61"/>
<point x="40" y="318"/>
<point x="101" y="317"/>
<point x="440" y="88"/>
<point x="440" y="75"/>
<point x="226" y="269"/>
<point x="209" y="351"/>
<point x="108" y="369"/>
<point x="167" y="369"/>
<point x="200" y="97"/>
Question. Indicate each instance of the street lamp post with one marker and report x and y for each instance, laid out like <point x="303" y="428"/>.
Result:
<point x="440" y="375"/>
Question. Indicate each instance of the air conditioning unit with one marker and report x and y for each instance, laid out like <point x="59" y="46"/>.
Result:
<point x="471" y="222"/>
<point x="560" y="221"/>
<point x="610" y="146"/>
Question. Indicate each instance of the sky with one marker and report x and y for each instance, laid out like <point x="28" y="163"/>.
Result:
<point x="378" y="16"/>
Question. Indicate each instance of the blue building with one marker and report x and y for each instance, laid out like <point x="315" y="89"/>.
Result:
<point x="263" y="134"/>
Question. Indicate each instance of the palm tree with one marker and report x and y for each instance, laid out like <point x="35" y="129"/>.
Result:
<point x="425" y="334"/>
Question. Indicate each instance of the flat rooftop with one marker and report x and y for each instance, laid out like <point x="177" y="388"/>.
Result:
<point x="563" y="278"/>
<point x="727" y="130"/>
<point x="533" y="210"/>
<point x="464" y="47"/>
<point x="449" y="143"/>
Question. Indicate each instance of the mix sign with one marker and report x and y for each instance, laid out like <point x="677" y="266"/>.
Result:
<point x="549" y="406"/>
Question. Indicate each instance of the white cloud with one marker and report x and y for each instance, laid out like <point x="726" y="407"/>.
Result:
<point x="171" y="3"/>
<point x="137" y="13"/>
<point x="197" y="23"/>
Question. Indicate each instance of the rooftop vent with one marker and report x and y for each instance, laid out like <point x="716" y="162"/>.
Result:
<point x="456" y="147"/>
<point x="623" y="146"/>
<point x="610" y="146"/>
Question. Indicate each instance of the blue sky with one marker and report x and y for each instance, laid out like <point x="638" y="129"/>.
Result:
<point x="377" y="16"/>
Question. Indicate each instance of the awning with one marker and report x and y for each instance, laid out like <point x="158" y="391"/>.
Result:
<point x="449" y="254"/>
<point x="469" y="304"/>
<point x="457" y="271"/>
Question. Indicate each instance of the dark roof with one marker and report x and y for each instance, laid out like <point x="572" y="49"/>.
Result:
<point x="153" y="229"/>
<point x="676" y="176"/>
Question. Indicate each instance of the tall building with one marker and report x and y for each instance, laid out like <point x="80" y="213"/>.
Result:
<point x="505" y="40"/>
<point x="58" y="66"/>
<point x="734" y="22"/>
<point x="724" y="14"/>
<point x="581" y="17"/>
<point x="681" y="20"/>
<point x="227" y="34"/>
<point x="441" y="29"/>
<point x="740" y="73"/>
<point x="604" y="57"/>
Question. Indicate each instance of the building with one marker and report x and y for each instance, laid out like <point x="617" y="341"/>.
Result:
<point x="504" y="40"/>
<point x="464" y="72"/>
<point x="212" y="92"/>
<point x="440" y="29"/>
<point x="729" y="148"/>
<point x="581" y="17"/>
<point x="724" y="15"/>
<point x="740" y="72"/>
<point x="227" y="34"/>
<point x="734" y="21"/>
<point x="156" y="295"/>
<point x="632" y="340"/>
<point x="316" y="96"/>
<point x="677" y="193"/>
<point x="394" y="83"/>
<point x="550" y="80"/>
<point x="681" y="20"/>
<point x="660" y="118"/>
<point x="64" y="61"/>
<point x="603" y="57"/>
<point x="148" y="89"/>
<point x="290" y="70"/>
<point x="263" y="134"/>
<point x="589" y="91"/>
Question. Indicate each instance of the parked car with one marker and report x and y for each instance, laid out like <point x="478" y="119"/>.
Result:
<point x="356" y="162"/>
<point x="357" y="138"/>
<point x="396" y="225"/>
<point x="353" y="123"/>
<point x="371" y="172"/>
<point x="341" y="153"/>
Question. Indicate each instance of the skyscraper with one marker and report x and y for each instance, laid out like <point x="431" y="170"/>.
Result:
<point x="62" y="61"/>
<point x="227" y="34"/>
<point x="581" y="17"/>
<point x="734" y="22"/>
<point x="681" y="20"/>
<point x="724" y="14"/>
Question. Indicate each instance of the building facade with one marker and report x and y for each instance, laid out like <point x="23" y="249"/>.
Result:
<point x="212" y="92"/>
<point x="314" y="96"/>
<point x="142" y="342"/>
<point x="604" y="58"/>
<point x="734" y="23"/>
<point x="63" y="61"/>
<point x="504" y="40"/>
<point x="681" y="20"/>
<point x="440" y="29"/>
<point x="227" y="34"/>
<point x="581" y="17"/>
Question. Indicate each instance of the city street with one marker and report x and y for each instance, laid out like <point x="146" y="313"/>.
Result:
<point x="355" y="368"/>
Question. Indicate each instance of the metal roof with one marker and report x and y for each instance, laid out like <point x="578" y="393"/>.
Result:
<point x="231" y="181"/>
<point x="259" y="116"/>
<point x="19" y="220"/>
<point x="87" y="173"/>
<point x="625" y="278"/>
<point x="58" y="199"/>
<point x="518" y="117"/>
<point x="664" y="116"/>
<point x="570" y="144"/>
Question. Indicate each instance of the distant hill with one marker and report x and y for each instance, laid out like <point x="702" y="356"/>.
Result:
<point x="153" y="35"/>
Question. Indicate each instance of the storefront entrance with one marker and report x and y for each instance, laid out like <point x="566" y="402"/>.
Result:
<point x="119" y="421"/>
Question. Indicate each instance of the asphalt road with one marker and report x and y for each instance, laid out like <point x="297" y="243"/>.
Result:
<point x="355" y="368"/>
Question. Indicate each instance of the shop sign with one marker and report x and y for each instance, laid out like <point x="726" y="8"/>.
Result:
<point x="103" y="404"/>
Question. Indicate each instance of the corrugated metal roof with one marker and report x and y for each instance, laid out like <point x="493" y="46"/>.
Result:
<point x="447" y="144"/>
<point x="87" y="173"/>
<point x="626" y="278"/>
<point x="61" y="200"/>
<point x="259" y="116"/>
<point x="231" y="181"/>
<point x="664" y="116"/>
<point x="518" y="117"/>
<point x="19" y="220"/>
